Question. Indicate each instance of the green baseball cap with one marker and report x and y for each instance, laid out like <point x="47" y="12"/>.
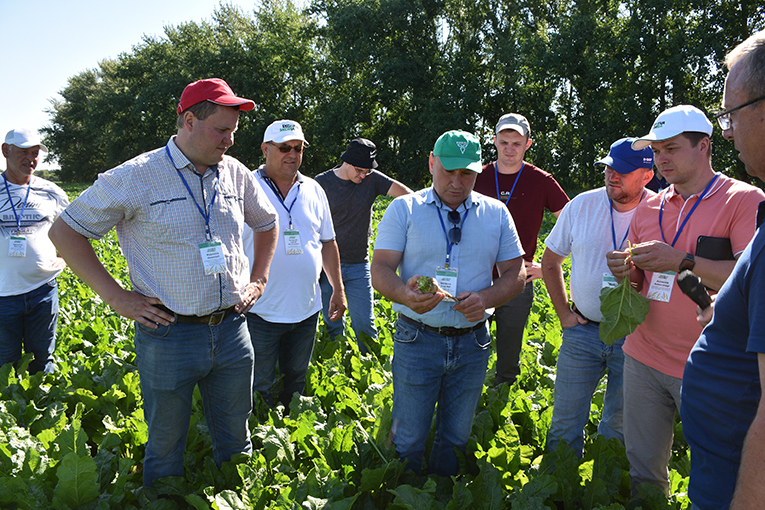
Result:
<point x="459" y="149"/>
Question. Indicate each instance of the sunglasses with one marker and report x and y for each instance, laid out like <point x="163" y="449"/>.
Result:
<point x="362" y="171"/>
<point x="455" y="234"/>
<point x="287" y="148"/>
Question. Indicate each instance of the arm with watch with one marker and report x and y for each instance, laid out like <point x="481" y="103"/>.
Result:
<point x="656" y="256"/>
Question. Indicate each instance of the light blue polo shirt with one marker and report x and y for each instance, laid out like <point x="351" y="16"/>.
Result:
<point x="411" y="226"/>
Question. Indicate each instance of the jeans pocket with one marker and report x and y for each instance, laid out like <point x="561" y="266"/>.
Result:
<point x="159" y="333"/>
<point x="481" y="338"/>
<point x="405" y="333"/>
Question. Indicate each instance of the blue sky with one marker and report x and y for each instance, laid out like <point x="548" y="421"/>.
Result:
<point x="45" y="42"/>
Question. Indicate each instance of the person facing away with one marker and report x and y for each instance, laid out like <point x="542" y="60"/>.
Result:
<point x="351" y="188"/>
<point x="700" y="223"/>
<point x="283" y="324"/>
<point x="592" y="224"/>
<point x="441" y="343"/>
<point x="526" y="192"/>
<point x="29" y="264"/>
<point x="722" y="411"/>
<point x="179" y="213"/>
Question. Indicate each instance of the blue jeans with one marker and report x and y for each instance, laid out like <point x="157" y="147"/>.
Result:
<point x="360" y="297"/>
<point x="171" y="361"/>
<point x="510" y="319"/>
<point x="29" y="320"/>
<point x="430" y="368"/>
<point x="582" y="361"/>
<point x="289" y="344"/>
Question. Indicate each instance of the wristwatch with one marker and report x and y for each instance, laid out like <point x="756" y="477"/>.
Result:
<point x="689" y="262"/>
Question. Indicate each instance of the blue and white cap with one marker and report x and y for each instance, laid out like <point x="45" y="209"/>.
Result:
<point x="624" y="159"/>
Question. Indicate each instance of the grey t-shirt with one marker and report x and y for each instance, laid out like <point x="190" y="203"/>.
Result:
<point x="351" y="207"/>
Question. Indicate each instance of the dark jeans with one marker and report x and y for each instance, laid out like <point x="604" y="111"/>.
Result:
<point x="511" y="319"/>
<point x="290" y="345"/>
<point x="29" y="320"/>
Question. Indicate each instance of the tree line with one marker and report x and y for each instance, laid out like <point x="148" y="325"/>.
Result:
<point x="401" y="72"/>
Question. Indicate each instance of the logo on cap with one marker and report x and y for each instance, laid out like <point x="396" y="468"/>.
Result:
<point x="658" y="124"/>
<point x="462" y="146"/>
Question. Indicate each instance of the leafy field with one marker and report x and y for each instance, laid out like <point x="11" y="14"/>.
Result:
<point x="75" y="439"/>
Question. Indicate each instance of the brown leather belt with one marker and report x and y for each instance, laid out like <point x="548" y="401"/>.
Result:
<point x="212" y="319"/>
<point x="444" y="330"/>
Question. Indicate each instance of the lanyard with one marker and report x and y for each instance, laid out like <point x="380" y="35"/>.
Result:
<point x="449" y="244"/>
<point x="613" y="229"/>
<point x="279" y="196"/>
<point x="206" y="212"/>
<point x="496" y="181"/>
<point x="682" y="226"/>
<point x="10" y="201"/>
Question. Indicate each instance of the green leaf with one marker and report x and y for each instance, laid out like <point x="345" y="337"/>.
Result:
<point x="77" y="481"/>
<point x="623" y="308"/>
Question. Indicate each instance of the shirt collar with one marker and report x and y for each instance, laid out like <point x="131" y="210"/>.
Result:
<point x="670" y="192"/>
<point x="180" y="161"/>
<point x="432" y="198"/>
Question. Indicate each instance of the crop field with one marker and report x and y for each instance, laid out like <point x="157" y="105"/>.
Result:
<point x="75" y="439"/>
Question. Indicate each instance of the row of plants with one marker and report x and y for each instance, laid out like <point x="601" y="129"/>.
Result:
<point x="75" y="439"/>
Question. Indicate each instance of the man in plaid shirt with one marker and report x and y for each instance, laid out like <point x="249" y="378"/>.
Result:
<point x="179" y="213"/>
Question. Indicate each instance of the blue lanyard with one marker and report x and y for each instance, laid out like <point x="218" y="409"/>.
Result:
<point x="10" y="201"/>
<point x="496" y="181"/>
<point x="205" y="213"/>
<point x="279" y="196"/>
<point x="449" y="244"/>
<point x="613" y="229"/>
<point x="682" y="226"/>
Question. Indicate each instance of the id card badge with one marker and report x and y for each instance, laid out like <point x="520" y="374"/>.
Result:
<point x="609" y="281"/>
<point x="661" y="286"/>
<point x="292" y="243"/>
<point x="212" y="257"/>
<point x="447" y="279"/>
<point x="17" y="247"/>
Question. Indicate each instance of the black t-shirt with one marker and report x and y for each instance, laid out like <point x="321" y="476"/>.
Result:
<point x="351" y="207"/>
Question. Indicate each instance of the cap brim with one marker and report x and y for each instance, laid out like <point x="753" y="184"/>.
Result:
<point x="642" y="143"/>
<point x="243" y="104"/>
<point x="451" y="164"/>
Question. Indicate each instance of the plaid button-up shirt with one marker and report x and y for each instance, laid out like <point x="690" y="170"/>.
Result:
<point x="160" y="227"/>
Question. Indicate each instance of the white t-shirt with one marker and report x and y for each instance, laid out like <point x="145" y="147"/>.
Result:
<point x="292" y="293"/>
<point x="19" y="275"/>
<point x="583" y="230"/>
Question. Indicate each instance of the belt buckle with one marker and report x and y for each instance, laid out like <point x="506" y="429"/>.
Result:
<point x="216" y="318"/>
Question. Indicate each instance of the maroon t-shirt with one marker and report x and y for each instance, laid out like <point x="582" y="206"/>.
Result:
<point x="535" y="191"/>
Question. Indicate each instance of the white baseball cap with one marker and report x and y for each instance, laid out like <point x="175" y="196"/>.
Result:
<point x="674" y="121"/>
<point x="282" y="131"/>
<point x="514" y="121"/>
<point x="24" y="138"/>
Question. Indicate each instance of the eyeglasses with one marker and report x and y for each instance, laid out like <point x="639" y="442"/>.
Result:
<point x="287" y="148"/>
<point x="362" y="171"/>
<point x="455" y="234"/>
<point x="723" y="117"/>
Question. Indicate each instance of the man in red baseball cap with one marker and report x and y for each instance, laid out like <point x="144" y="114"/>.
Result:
<point x="178" y="211"/>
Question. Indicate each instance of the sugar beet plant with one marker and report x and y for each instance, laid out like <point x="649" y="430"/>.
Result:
<point x="75" y="439"/>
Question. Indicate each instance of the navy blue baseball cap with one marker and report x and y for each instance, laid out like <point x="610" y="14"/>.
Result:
<point x="623" y="159"/>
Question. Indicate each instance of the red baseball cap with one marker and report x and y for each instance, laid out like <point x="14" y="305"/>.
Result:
<point x="214" y="90"/>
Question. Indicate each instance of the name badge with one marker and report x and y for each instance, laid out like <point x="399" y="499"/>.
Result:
<point x="292" y="244"/>
<point x="447" y="279"/>
<point x="661" y="286"/>
<point x="212" y="257"/>
<point x="17" y="246"/>
<point x="609" y="281"/>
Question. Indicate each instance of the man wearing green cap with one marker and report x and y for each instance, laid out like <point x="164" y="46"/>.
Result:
<point x="442" y="341"/>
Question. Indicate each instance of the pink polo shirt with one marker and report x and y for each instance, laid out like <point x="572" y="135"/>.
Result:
<point x="670" y="330"/>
